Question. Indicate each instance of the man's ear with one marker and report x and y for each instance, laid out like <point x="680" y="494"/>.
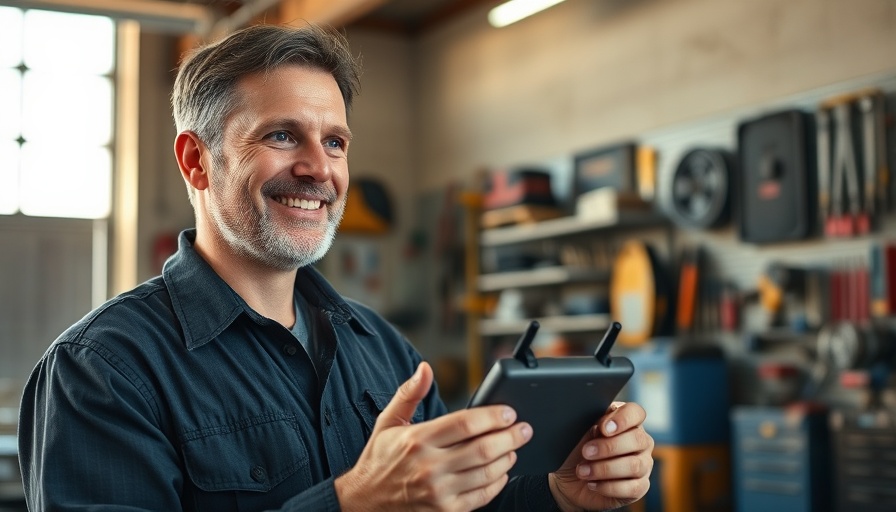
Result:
<point x="188" y="149"/>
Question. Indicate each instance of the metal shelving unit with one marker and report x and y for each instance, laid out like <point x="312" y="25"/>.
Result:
<point x="563" y="323"/>
<point x="565" y="227"/>
<point x="539" y="277"/>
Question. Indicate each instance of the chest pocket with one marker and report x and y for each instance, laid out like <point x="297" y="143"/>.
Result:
<point x="254" y="455"/>
<point x="372" y="404"/>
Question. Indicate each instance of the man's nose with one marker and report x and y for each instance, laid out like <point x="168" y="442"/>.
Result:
<point x="313" y="161"/>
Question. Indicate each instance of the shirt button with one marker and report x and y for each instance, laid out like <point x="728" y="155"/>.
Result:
<point x="258" y="474"/>
<point x="290" y="350"/>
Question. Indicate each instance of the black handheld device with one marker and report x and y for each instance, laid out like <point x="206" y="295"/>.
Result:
<point x="561" y="397"/>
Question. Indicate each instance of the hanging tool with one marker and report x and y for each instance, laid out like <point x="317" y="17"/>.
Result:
<point x="815" y="299"/>
<point x="882" y="278"/>
<point x="838" y="161"/>
<point x="778" y="282"/>
<point x="869" y="154"/>
<point x="835" y="294"/>
<point x="863" y="292"/>
<point x="729" y="308"/>
<point x="844" y="167"/>
<point x="823" y="144"/>
<point x="852" y="290"/>
<point x="688" y="286"/>
<point x="883" y="173"/>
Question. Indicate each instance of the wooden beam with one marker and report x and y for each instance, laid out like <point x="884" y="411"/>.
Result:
<point x="125" y="213"/>
<point x="337" y="13"/>
<point x="451" y="10"/>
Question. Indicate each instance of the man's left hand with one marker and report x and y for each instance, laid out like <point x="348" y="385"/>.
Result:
<point x="610" y="467"/>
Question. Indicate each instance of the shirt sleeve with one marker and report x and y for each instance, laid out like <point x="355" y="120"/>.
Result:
<point x="527" y="493"/>
<point x="90" y="439"/>
<point x="319" y="498"/>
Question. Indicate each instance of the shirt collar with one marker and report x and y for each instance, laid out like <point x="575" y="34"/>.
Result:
<point x="206" y="305"/>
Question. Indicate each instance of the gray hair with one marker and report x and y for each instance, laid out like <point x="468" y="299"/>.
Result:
<point x="204" y="92"/>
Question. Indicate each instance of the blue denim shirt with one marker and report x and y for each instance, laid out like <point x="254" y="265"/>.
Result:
<point x="178" y="396"/>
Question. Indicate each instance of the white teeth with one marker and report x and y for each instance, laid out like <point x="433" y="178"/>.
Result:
<point x="304" y="204"/>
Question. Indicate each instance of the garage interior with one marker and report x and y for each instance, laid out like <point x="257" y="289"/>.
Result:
<point x="715" y="176"/>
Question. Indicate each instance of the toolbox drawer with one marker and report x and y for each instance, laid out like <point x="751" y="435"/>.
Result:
<point x="865" y="460"/>
<point x="780" y="459"/>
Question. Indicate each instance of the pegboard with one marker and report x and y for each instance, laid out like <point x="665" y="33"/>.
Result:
<point x="741" y="262"/>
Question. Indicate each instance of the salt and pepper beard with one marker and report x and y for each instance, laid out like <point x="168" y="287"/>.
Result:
<point x="253" y="234"/>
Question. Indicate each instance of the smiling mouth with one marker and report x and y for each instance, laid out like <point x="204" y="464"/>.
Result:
<point x="304" y="204"/>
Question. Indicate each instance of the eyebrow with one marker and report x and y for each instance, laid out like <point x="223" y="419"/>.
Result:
<point x="343" y="132"/>
<point x="292" y="124"/>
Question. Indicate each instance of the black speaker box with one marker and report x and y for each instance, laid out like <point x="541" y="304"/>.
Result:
<point x="777" y="196"/>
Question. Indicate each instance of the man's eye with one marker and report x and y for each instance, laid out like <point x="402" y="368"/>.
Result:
<point x="280" y="137"/>
<point x="334" y="144"/>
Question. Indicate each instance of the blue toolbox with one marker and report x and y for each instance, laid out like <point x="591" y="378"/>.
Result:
<point x="781" y="458"/>
<point x="685" y="390"/>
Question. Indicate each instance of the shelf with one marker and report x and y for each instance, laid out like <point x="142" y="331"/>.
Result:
<point x="565" y="226"/>
<point x="559" y="324"/>
<point x="540" y="277"/>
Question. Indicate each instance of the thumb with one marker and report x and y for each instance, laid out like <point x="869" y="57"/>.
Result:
<point x="402" y="406"/>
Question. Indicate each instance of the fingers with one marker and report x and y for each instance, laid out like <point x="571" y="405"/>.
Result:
<point x="624" y="451"/>
<point x="478" y="498"/>
<point x="632" y="465"/>
<point x="484" y="482"/>
<point x="481" y="451"/>
<point x="474" y="470"/>
<point x="458" y="461"/>
<point x="634" y="440"/>
<point x="623" y="490"/>
<point x="402" y="406"/>
<point x="621" y="417"/>
<point x="467" y="424"/>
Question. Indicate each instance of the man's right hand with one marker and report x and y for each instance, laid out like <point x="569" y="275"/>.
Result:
<point x="456" y="462"/>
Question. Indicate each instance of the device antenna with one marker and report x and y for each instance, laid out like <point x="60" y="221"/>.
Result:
<point x="602" y="353"/>
<point x="523" y="351"/>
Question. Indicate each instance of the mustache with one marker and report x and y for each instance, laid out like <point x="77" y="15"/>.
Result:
<point x="288" y="187"/>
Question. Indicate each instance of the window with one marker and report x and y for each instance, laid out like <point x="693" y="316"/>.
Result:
<point x="56" y="113"/>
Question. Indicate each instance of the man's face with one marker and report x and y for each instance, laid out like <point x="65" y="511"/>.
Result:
<point x="278" y="193"/>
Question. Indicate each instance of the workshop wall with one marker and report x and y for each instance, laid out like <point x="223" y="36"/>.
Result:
<point x="587" y="73"/>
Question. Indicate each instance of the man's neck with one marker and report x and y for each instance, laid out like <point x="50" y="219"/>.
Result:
<point x="267" y="291"/>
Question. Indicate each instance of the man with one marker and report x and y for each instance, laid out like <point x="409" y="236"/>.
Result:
<point x="239" y="379"/>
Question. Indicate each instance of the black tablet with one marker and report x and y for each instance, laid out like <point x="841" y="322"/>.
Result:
<point x="561" y="397"/>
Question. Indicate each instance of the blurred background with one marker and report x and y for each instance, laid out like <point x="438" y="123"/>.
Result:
<point x="716" y="176"/>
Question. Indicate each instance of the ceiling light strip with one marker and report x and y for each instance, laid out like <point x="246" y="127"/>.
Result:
<point x="515" y="10"/>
